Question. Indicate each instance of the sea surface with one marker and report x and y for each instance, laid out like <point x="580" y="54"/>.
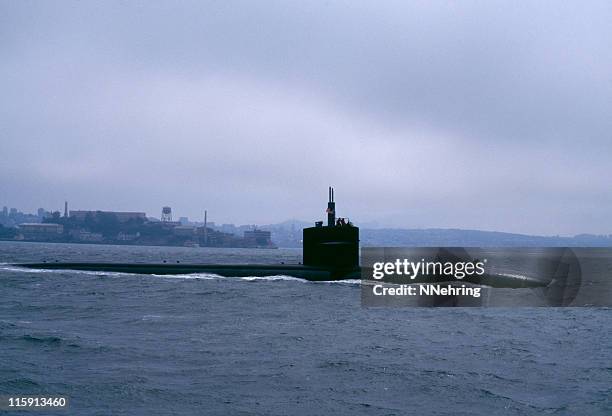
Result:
<point x="125" y="344"/>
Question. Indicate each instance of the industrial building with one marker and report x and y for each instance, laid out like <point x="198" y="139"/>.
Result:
<point x="258" y="238"/>
<point x="184" y="230"/>
<point x="122" y="216"/>
<point x="41" y="232"/>
<point x="128" y="227"/>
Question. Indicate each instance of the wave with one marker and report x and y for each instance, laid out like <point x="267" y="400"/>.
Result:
<point x="46" y="340"/>
<point x="350" y="282"/>
<point x="271" y="278"/>
<point x="192" y="276"/>
<point x="515" y="276"/>
<point x="274" y="278"/>
<point x="151" y="317"/>
<point x="51" y="340"/>
<point x="13" y="268"/>
<point x="19" y="384"/>
<point x="196" y="276"/>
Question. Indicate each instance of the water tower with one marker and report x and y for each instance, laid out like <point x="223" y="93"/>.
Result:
<point x="166" y="215"/>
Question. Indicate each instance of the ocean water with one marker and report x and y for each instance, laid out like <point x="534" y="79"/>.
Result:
<point x="126" y="344"/>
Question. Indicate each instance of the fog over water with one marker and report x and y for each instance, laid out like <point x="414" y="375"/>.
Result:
<point x="492" y="116"/>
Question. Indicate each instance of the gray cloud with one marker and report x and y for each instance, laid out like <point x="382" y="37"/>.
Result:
<point x="481" y="115"/>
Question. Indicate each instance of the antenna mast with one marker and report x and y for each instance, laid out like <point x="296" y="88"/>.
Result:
<point x="331" y="209"/>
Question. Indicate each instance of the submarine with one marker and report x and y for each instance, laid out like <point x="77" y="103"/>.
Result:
<point x="331" y="252"/>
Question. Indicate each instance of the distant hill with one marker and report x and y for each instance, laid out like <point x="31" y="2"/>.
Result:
<point x="473" y="238"/>
<point x="289" y="234"/>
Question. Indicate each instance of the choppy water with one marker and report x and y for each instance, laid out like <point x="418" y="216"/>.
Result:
<point x="151" y="345"/>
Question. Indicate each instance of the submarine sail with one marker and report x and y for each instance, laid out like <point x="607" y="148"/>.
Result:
<point x="335" y="246"/>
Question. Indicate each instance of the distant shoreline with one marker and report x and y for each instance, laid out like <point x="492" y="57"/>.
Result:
<point x="115" y="243"/>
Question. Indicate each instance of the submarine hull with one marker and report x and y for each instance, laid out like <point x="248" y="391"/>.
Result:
<point x="227" y="270"/>
<point x="311" y="273"/>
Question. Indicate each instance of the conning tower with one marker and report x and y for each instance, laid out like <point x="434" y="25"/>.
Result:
<point x="335" y="246"/>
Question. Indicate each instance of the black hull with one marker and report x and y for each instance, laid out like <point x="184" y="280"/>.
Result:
<point x="262" y="270"/>
<point x="226" y="270"/>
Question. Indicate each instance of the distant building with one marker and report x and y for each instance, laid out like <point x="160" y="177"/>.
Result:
<point x="41" y="232"/>
<point x="122" y="236"/>
<point x="87" y="236"/>
<point x="184" y="220"/>
<point x="120" y="215"/>
<point x="184" y="230"/>
<point x="228" y="228"/>
<point x="170" y="224"/>
<point x="258" y="238"/>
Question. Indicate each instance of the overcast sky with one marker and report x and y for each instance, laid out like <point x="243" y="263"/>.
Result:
<point x="485" y="115"/>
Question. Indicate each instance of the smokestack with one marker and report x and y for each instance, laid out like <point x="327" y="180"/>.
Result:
<point x="65" y="209"/>
<point x="331" y="209"/>
<point x="205" y="228"/>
